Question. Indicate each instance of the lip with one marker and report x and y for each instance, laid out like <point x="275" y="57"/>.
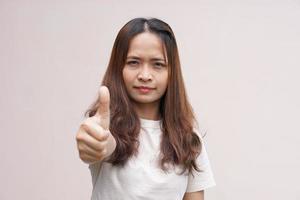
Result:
<point x="143" y="89"/>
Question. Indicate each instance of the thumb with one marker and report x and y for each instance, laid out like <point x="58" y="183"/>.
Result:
<point x="103" y="111"/>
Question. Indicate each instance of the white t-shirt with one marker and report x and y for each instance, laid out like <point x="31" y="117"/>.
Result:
<point x="142" y="178"/>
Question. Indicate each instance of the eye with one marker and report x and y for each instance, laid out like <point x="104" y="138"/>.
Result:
<point x="159" y="65"/>
<point x="132" y="63"/>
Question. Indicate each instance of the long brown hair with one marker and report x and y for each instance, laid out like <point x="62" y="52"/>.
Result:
<point x="180" y="145"/>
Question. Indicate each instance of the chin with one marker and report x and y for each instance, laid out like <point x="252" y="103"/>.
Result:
<point x="145" y="100"/>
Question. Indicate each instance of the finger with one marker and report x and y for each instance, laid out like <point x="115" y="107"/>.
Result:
<point x="88" y="159"/>
<point x="94" y="129"/>
<point x="88" y="140"/>
<point x="86" y="149"/>
<point x="103" y="107"/>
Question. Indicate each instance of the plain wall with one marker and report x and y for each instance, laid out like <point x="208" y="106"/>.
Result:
<point x="240" y="61"/>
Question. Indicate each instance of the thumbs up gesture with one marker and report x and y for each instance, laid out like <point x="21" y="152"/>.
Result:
<point x="94" y="140"/>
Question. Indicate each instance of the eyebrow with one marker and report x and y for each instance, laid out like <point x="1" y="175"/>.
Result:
<point x="153" y="59"/>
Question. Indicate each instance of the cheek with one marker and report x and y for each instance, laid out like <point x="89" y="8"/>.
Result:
<point x="129" y="77"/>
<point x="163" y="83"/>
<point x="165" y="80"/>
<point x="126" y="76"/>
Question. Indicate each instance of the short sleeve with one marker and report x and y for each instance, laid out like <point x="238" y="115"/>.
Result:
<point x="204" y="179"/>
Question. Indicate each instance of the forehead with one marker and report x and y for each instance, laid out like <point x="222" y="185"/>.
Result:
<point x="146" y="45"/>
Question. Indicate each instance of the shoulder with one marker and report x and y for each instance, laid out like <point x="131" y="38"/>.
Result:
<point x="198" y="181"/>
<point x="200" y="131"/>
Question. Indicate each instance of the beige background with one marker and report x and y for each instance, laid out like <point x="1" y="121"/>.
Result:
<point x="240" y="62"/>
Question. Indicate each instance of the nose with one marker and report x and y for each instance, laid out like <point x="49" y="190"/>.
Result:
<point x="145" y="74"/>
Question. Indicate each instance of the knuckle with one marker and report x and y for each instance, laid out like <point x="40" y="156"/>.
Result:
<point x="84" y="126"/>
<point x="79" y="137"/>
<point x="81" y="155"/>
<point x="80" y="148"/>
<point x="86" y="123"/>
<point x="103" y="135"/>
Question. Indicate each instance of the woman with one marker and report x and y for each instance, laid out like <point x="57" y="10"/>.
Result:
<point x="139" y="138"/>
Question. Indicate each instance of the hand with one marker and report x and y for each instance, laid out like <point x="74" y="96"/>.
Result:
<point x="94" y="140"/>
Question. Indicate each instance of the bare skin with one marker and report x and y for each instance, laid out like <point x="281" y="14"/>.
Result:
<point x="95" y="143"/>
<point x="194" y="195"/>
<point x="146" y="66"/>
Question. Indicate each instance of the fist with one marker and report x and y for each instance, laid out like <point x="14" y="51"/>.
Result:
<point x="94" y="140"/>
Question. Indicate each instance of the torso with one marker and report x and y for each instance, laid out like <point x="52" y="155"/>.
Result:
<point x="141" y="177"/>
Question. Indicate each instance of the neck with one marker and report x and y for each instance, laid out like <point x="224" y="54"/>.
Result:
<point x="147" y="111"/>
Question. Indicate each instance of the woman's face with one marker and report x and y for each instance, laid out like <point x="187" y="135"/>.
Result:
<point x="146" y="72"/>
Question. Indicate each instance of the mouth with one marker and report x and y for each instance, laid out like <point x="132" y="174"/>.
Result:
<point x="143" y="89"/>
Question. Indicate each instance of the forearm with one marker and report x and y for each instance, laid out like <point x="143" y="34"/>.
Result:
<point x="194" y="195"/>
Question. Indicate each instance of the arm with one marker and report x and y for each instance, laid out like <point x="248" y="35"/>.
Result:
<point x="194" y="195"/>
